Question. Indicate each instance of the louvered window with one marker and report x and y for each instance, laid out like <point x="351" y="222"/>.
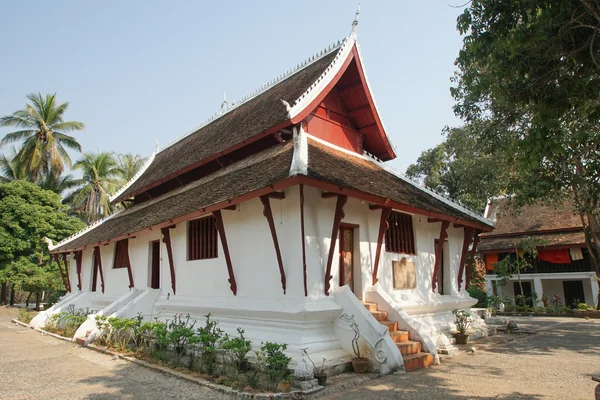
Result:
<point x="202" y="239"/>
<point x="122" y="254"/>
<point x="399" y="236"/>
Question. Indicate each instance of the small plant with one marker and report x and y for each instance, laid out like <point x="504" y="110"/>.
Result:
<point x="26" y="315"/>
<point x="317" y="370"/>
<point x="556" y="301"/>
<point x="180" y="331"/>
<point x="463" y="320"/>
<point x="274" y="362"/>
<point x="66" y="323"/>
<point x="236" y="349"/>
<point x="210" y="335"/>
<point x="360" y="364"/>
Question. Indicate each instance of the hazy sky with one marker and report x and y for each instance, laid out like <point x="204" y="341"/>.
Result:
<point x="135" y="70"/>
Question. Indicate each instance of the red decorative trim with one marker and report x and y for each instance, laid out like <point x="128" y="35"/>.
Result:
<point x="435" y="281"/>
<point x="269" y="216"/>
<point x="67" y="277"/>
<point x="221" y="228"/>
<point x="129" y="271"/>
<point x="167" y="241"/>
<point x="337" y="219"/>
<point x="467" y="239"/>
<point x="79" y="261"/>
<point x="472" y="258"/>
<point x="383" y="225"/>
<point x="303" y="238"/>
<point x="98" y="267"/>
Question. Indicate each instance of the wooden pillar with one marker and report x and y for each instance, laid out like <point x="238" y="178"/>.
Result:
<point x="129" y="271"/>
<point x="472" y="259"/>
<point x="383" y="225"/>
<point x="303" y="238"/>
<point x="435" y="279"/>
<point x="167" y="241"/>
<point x="79" y="261"/>
<point x="337" y="219"/>
<point x="221" y="229"/>
<point x="467" y="239"/>
<point x="98" y="267"/>
<point x="67" y="270"/>
<point x="267" y="212"/>
<point x="56" y="259"/>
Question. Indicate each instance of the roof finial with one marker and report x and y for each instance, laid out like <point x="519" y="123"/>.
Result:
<point x="355" y="22"/>
<point x="157" y="148"/>
<point x="225" y="104"/>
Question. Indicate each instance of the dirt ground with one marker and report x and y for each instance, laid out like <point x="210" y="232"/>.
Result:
<point x="555" y="363"/>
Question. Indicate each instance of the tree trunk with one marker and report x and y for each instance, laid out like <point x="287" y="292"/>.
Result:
<point x="3" y="293"/>
<point x="519" y="276"/>
<point x="37" y="301"/>
<point x="27" y="301"/>
<point x="12" y="294"/>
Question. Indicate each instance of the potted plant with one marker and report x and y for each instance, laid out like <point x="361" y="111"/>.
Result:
<point x="285" y="386"/>
<point x="319" y="372"/>
<point x="360" y="364"/>
<point x="463" y="321"/>
<point x="273" y="362"/>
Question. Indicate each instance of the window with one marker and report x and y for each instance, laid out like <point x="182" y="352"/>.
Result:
<point x="399" y="234"/>
<point x="202" y="239"/>
<point x="121" y="254"/>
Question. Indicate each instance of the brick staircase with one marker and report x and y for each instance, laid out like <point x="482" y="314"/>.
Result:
<point x="414" y="358"/>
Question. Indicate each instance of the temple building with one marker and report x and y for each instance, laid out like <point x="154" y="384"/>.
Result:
<point x="278" y="215"/>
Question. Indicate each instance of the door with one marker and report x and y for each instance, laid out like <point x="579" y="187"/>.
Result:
<point x="155" y="264"/>
<point x="347" y="257"/>
<point x="526" y="290"/>
<point x="573" y="293"/>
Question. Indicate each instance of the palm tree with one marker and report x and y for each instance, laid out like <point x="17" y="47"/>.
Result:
<point x="10" y="167"/>
<point x="59" y="184"/>
<point x="42" y="128"/>
<point x="129" y="164"/>
<point x="100" y="177"/>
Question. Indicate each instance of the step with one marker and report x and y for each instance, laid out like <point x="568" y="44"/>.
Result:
<point x="380" y="315"/>
<point x="370" y="306"/>
<point x="399" y="336"/>
<point x="392" y="325"/>
<point x="409" y="347"/>
<point x="418" y="361"/>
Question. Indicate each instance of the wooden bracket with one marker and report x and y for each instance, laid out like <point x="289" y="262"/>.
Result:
<point x="221" y="229"/>
<point x="97" y="267"/>
<point x="337" y="219"/>
<point x="269" y="216"/>
<point x="56" y="258"/>
<point x="383" y="225"/>
<point x="129" y="271"/>
<point x="79" y="262"/>
<point x="472" y="259"/>
<point x="467" y="239"/>
<point x="67" y="277"/>
<point x="166" y="233"/>
<point x="230" y="208"/>
<point x="276" y="195"/>
<point x="328" y="195"/>
<point x="435" y="279"/>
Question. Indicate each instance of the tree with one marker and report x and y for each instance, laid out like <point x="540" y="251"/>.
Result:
<point x="128" y="165"/>
<point x="59" y="184"/>
<point x="43" y="132"/>
<point x="100" y="180"/>
<point x="530" y="70"/>
<point x="28" y="214"/>
<point x="461" y="169"/>
<point x="10" y="167"/>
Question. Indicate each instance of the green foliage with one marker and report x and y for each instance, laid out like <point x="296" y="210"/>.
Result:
<point x="28" y="214"/>
<point x="42" y="128"/>
<point x="235" y="349"/>
<point x="66" y="323"/>
<point x="180" y="332"/>
<point x="462" y="320"/>
<point x="273" y="361"/>
<point x="26" y="315"/>
<point x="521" y="260"/>
<point x="480" y="295"/>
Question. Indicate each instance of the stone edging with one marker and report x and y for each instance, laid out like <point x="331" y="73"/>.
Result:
<point x="573" y="314"/>
<point x="295" y="394"/>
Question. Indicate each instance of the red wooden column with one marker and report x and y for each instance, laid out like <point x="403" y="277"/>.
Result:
<point x="56" y="258"/>
<point x="67" y="270"/>
<point x="79" y="261"/>
<point x="472" y="258"/>
<point x="438" y="255"/>
<point x="383" y="225"/>
<point x="337" y="219"/>
<point x="98" y="267"/>
<point x="467" y="239"/>
<point x="303" y="238"/>
<point x="221" y="229"/>
<point x="129" y="271"/>
<point x="268" y="213"/>
<point x="167" y="241"/>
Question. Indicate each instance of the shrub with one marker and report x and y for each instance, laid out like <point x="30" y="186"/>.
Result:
<point x="66" y="323"/>
<point x="26" y="315"/>
<point x="480" y="295"/>
<point x="273" y="361"/>
<point x="236" y="349"/>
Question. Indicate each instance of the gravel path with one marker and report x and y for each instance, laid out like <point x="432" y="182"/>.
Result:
<point x="555" y="363"/>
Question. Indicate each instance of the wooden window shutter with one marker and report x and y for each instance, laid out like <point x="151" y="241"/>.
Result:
<point x="202" y="239"/>
<point x="399" y="236"/>
<point x="121" y="254"/>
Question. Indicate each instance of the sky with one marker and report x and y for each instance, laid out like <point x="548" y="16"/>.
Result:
<point x="140" y="71"/>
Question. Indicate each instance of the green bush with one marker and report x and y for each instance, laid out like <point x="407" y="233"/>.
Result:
<point x="26" y="315"/>
<point x="480" y="295"/>
<point x="272" y="360"/>
<point x="66" y="323"/>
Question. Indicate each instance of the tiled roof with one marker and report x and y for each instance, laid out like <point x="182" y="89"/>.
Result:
<point x="576" y="238"/>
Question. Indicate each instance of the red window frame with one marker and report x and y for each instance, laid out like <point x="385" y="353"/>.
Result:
<point x="202" y="239"/>
<point x="399" y="235"/>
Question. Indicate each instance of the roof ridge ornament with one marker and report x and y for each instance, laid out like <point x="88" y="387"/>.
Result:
<point x="225" y="103"/>
<point x="355" y="22"/>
